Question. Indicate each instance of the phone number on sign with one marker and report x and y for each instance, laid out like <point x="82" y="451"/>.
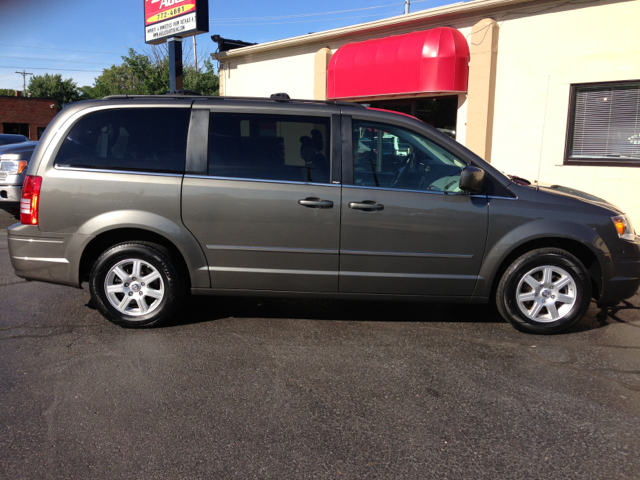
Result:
<point x="170" y="13"/>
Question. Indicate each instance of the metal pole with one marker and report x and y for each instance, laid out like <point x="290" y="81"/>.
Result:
<point x="406" y="6"/>
<point x="175" y="64"/>
<point x="24" y="82"/>
<point x="195" y="53"/>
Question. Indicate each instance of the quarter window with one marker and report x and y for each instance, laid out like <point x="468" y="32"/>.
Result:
<point x="390" y="157"/>
<point x="135" y="139"/>
<point x="269" y="147"/>
<point x="604" y="125"/>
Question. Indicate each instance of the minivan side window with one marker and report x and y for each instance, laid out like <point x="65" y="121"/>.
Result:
<point x="387" y="156"/>
<point x="270" y="147"/>
<point x="134" y="139"/>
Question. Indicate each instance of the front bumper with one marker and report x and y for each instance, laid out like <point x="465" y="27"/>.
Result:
<point x="10" y="193"/>
<point x="624" y="275"/>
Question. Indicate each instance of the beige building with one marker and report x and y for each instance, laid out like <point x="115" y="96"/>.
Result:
<point x="553" y="89"/>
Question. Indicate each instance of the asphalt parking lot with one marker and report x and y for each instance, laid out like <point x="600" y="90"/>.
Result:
<point x="255" y="388"/>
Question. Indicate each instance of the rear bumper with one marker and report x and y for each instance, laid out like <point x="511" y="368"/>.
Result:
<point x="10" y="193"/>
<point x="52" y="258"/>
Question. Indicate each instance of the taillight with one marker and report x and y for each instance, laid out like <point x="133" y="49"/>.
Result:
<point x="30" y="200"/>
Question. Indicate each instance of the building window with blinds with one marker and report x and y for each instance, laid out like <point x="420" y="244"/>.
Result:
<point x="604" y="125"/>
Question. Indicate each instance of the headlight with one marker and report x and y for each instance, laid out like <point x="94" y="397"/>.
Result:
<point x="9" y="163"/>
<point x="623" y="227"/>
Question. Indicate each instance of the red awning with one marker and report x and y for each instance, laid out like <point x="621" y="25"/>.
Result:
<point x="435" y="60"/>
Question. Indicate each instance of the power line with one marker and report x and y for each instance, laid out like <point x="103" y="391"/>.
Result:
<point x="48" y="59"/>
<point x="57" y="48"/>
<point x="303" y="21"/>
<point x="311" y="14"/>
<point x="43" y="68"/>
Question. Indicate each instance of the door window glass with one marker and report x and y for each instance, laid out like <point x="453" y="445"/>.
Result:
<point x="269" y="147"/>
<point x="390" y="157"/>
<point x="136" y="139"/>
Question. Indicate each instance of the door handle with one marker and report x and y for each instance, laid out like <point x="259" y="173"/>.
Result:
<point x="314" y="202"/>
<point x="366" y="206"/>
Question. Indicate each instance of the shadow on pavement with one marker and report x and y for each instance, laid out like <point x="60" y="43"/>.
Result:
<point x="197" y="309"/>
<point x="206" y="308"/>
<point x="11" y="213"/>
<point x="612" y="313"/>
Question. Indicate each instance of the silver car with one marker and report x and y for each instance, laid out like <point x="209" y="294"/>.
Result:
<point x="14" y="159"/>
<point x="151" y="198"/>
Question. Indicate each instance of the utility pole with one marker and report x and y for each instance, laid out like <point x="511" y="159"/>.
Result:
<point x="195" y="53"/>
<point x="24" y="82"/>
<point x="407" y="4"/>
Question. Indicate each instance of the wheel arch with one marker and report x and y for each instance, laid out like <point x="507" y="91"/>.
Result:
<point x="579" y="240"/>
<point x="109" y="238"/>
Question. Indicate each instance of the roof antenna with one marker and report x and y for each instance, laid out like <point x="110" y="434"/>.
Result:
<point x="544" y="122"/>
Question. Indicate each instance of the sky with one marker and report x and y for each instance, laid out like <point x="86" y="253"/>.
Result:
<point x="79" y="38"/>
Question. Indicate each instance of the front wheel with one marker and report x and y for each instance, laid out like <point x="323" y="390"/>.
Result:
<point x="135" y="284"/>
<point x="547" y="290"/>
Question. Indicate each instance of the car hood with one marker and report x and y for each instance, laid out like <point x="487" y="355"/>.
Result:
<point x="578" y="195"/>
<point x="25" y="149"/>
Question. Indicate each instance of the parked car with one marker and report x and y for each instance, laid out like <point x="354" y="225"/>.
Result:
<point x="147" y="198"/>
<point x="14" y="159"/>
<point x="9" y="138"/>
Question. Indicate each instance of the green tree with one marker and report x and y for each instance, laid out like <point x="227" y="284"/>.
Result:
<point x="53" y="86"/>
<point x="148" y="74"/>
<point x="204" y="81"/>
<point x="87" y="93"/>
<point x="7" y="91"/>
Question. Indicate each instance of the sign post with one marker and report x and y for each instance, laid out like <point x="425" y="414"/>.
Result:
<point x="175" y="64"/>
<point x="171" y="21"/>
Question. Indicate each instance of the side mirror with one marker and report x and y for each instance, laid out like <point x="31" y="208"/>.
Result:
<point x="472" y="179"/>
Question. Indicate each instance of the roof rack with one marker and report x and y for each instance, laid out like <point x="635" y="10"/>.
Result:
<point x="254" y="99"/>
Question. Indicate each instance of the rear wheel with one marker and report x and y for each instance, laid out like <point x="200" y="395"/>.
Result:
<point x="136" y="285"/>
<point x="544" y="291"/>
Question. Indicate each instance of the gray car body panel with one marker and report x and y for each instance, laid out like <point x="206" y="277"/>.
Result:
<point x="239" y="236"/>
<point x="88" y="202"/>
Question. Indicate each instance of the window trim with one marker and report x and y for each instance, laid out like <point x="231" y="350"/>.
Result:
<point x="594" y="162"/>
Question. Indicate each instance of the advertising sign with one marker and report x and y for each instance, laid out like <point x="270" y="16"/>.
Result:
<point x="174" y="18"/>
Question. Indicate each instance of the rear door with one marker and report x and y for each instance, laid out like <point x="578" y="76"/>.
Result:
<point x="263" y="196"/>
<point x="406" y="226"/>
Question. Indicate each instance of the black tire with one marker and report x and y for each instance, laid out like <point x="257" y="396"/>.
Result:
<point x="153" y="259"/>
<point x="513" y="286"/>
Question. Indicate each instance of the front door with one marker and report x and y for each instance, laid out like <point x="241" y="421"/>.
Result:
<point x="407" y="228"/>
<point x="266" y="213"/>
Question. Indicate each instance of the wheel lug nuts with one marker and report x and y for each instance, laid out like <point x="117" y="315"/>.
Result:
<point x="142" y="284"/>
<point x="134" y="279"/>
<point x="126" y="284"/>
<point x="140" y="293"/>
<point x="130" y="293"/>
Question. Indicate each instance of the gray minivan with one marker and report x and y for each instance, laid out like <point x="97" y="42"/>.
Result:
<point x="149" y="198"/>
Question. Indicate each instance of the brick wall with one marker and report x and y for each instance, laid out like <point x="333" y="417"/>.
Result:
<point x="37" y="112"/>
